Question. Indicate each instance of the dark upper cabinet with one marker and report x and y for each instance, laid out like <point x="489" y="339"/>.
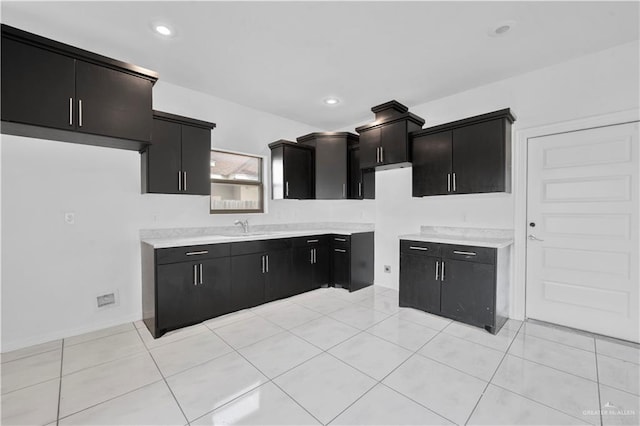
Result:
<point x="179" y="157"/>
<point x="55" y="91"/>
<point x="384" y="143"/>
<point x="331" y="163"/>
<point x="464" y="157"/>
<point x="362" y="182"/>
<point x="292" y="171"/>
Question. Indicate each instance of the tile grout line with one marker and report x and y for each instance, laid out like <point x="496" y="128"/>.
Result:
<point x="165" y="380"/>
<point x="60" y="383"/>
<point x="595" y="346"/>
<point x="504" y="355"/>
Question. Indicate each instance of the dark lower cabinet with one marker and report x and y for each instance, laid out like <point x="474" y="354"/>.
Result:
<point x="468" y="284"/>
<point x="186" y="285"/>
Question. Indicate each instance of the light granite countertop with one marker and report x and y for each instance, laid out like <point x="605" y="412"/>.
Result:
<point x="178" y="237"/>
<point x="480" y="237"/>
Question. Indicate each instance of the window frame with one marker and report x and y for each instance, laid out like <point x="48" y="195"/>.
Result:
<point x="258" y="183"/>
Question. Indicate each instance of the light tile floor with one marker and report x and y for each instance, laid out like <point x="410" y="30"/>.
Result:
<point x="325" y="357"/>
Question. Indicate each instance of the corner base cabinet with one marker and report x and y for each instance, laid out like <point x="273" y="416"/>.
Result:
<point x="464" y="283"/>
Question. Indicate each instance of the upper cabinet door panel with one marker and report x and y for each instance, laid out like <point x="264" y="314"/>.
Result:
<point x="38" y="86"/>
<point x="298" y="173"/>
<point x="369" y="144"/>
<point x="114" y="103"/>
<point x="331" y="168"/>
<point x="164" y="158"/>
<point x="393" y="139"/>
<point x="196" y="159"/>
<point x="432" y="164"/>
<point x="479" y="157"/>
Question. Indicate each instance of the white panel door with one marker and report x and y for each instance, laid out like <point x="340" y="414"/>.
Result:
<point x="582" y="230"/>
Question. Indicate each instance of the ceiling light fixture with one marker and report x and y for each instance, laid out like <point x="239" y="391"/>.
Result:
<point x="501" y="28"/>
<point x="163" y="30"/>
<point x="332" y="101"/>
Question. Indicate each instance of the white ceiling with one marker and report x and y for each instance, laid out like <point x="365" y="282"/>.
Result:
<point x="286" y="57"/>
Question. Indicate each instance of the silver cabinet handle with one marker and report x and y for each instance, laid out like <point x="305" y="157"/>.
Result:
<point x="442" y="274"/>
<point x="532" y="237"/>
<point x="311" y="256"/>
<point x="382" y="154"/>
<point x="359" y="189"/>
<point x="315" y="258"/>
<point x="377" y="155"/>
<point x="195" y="253"/>
<point x="286" y="189"/>
<point x="340" y="250"/>
<point x="448" y="182"/>
<point x="454" y="182"/>
<point x="437" y="268"/>
<point x="267" y="269"/>
<point x="201" y="273"/>
<point x="312" y="241"/>
<point x="262" y="258"/>
<point x="466" y="253"/>
<point x="195" y="274"/>
<point x="179" y="181"/>
<point x="184" y="182"/>
<point x="418" y="248"/>
<point x="70" y="111"/>
<point x="80" y="112"/>
<point x="344" y="190"/>
<point x="340" y="239"/>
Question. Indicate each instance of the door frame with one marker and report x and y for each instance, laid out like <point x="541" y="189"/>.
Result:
<point x="518" y="305"/>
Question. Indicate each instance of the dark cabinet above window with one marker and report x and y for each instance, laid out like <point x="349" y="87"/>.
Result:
<point x="331" y="163"/>
<point x="292" y="171"/>
<point x="54" y="91"/>
<point x="384" y="143"/>
<point x="464" y="157"/>
<point x="179" y="157"/>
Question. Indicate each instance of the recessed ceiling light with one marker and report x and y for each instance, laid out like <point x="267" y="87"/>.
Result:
<point x="501" y="28"/>
<point x="163" y="30"/>
<point x="332" y="101"/>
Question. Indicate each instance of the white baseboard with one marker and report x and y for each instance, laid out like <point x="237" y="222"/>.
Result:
<point x="12" y="345"/>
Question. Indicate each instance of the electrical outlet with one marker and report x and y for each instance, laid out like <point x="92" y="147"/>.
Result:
<point x="106" y="299"/>
<point x="70" y="218"/>
<point x="387" y="269"/>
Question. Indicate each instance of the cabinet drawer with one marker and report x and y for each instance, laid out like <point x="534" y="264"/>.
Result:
<point x="258" y="246"/>
<point x="191" y="253"/>
<point x="423" y="248"/>
<point x="469" y="253"/>
<point x="311" y="241"/>
<point x="341" y="241"/>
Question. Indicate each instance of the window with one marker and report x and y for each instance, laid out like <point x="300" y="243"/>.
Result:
<point x="236" y="183"/>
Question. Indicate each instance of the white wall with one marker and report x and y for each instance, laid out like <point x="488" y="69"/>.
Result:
<point x="597" y="84"/>
<point x="52" y="272"/>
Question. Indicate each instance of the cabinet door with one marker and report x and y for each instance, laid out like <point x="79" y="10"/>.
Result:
<point x="479" y="157"/>
<point x="321" y="267"/>
<point x="394" y="142"/>
<point x="431" y="171"/>
<point x="114" y="103"/>
<point x="419" y="287"/>
<point x="163" y="158"/>
<point x="215" y="287"/>
<point x="177" y="295"/>
<point x="355" y="174"/>
<point x="37" y="86"/>
<point x="247" y="279"/>
<point x="341" y="267"/>
<point x="331" y="168"/>
<point x="369" y="184"/>
<point x="278" y="275"/>
<point x="298" y="173"/>
<point x="369" y="144"/>
<point x="196" y="160"/>
<point x="302" y="269"/>
<point x="468" y="292"/>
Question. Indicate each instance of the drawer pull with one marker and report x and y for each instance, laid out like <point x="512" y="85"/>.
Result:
<point x="340" y="250"/>
<point x="312" y="241"/>
<point x="340" y="239"/>
<point x="466" y="253"/>
<point x="194" y="253"/>
<point x="418" y="248"/>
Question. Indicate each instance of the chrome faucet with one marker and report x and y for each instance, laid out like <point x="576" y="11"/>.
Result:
<point x="244" y="224"/>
